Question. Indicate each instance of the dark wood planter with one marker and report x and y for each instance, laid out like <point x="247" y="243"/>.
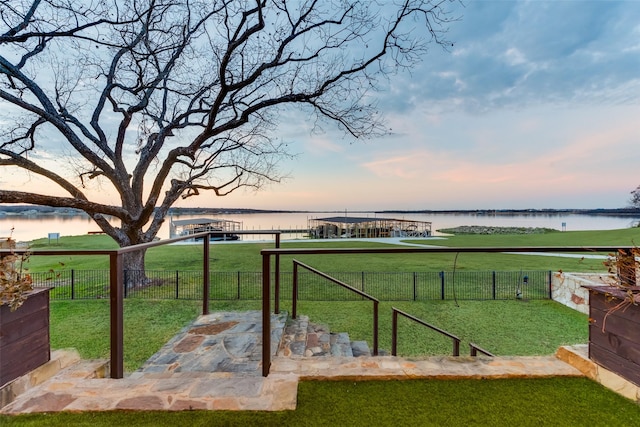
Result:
<point x="24" y="336"/>
<point x="614" y="334"/>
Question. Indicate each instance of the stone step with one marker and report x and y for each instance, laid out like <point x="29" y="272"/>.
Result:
<point x="302" y="338"/>
<point x="360" y="348"/>
<point x="294" y="338"/>
<point x="341" y="345"/>
<point x="89" y="369"/>
<point x="318" y="340"/>
<point x="227" y="342"/>
<point x="64" y="360"/>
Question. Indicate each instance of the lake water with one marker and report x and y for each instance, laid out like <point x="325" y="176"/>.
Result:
<point x="34" y="227"/>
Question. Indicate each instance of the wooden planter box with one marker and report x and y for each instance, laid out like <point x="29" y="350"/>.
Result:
<point x="614" y="336"/>
<point x="24" y="336"/>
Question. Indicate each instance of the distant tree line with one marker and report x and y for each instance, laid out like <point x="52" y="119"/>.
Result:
<point x="635" y="198"/>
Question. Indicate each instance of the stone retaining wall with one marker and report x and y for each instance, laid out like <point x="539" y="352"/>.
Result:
<point x="571" y="290"/>
<point x="578" y="357"/>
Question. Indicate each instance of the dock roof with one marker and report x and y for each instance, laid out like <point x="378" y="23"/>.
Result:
<point x="360" y="220"/>
<point x="198" y="221"/>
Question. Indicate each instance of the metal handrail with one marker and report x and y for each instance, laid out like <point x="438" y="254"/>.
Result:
<point x="116" y="283"/>
<point x="266" y="270"/>
<point x="394" y="331"/>
<point x="375" y="301"/>
<point x="445" y="249"/>
<point x="116" y="276"/>
<point x="474" y="350"/>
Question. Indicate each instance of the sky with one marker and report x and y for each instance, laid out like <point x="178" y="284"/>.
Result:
<point x="537" y="105"/>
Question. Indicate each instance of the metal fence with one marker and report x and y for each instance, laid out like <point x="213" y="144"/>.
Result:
<point x="386" y="286"/>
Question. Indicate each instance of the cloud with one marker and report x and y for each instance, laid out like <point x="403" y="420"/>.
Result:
<point x="522" y="53"/>
<point x="323" y="146"/>
<point x="536" y="105"/>
<point x="406" y="166"/>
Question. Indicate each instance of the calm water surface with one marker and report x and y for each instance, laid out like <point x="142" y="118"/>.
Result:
<point x="35" y="227"/>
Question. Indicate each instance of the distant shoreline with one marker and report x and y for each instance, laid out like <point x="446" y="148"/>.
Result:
<point x="29" y="210"/>
<point x="495" y="212"/>
<point x="486" y="230"/>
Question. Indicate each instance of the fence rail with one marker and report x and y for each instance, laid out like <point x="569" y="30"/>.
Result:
<point x="626" y="270"/>
<point x="247" y="285"/>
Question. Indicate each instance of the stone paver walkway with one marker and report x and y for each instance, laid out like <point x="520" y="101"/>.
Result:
<point x="223" y="342"/>
<point x="215" y="363"/>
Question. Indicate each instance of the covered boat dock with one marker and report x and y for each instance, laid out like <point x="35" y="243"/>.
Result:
<point x="361" y="227"/>
<point x="186" y="227"/>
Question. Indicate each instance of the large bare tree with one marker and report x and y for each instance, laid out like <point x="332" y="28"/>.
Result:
<point x="154" y="101"/>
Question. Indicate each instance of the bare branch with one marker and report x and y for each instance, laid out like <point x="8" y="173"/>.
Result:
<point x="9" y="196"/>
<point x="163" y="99"/>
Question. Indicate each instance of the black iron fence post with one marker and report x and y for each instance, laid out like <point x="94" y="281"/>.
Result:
<point x="415" y="291"/>
<point x="493" y="275"/>
<point x="238" y="277"/>
<point x="177" y="283"/>
<point x="73" y="285"/>
<point x="206" y="275"/>
<point x="442" y="285"/>
<point x="550" y="287"/>
<point x="294" y="292"/>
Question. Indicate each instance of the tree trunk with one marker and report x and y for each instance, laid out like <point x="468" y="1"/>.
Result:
<point x="133" y="262"/>
<point x="134" y="271"/>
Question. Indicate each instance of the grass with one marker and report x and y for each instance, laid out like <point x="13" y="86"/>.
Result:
<point x="514" y="328"/>
<point x="246" y="256"/>
<point x="517" y="402"/>
<point x="622" y="237"/>
<point x="84" y="325"/>
<point x="502" y="327"/>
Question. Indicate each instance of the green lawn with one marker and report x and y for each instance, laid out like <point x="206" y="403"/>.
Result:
<point x="624" y="237"/>
<point x="502" y="327"/>
<point x="514" y="402"/>
<point x="148" y="325"/>
<point x="246" y="256"/>
<point x="514" y="328"/>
